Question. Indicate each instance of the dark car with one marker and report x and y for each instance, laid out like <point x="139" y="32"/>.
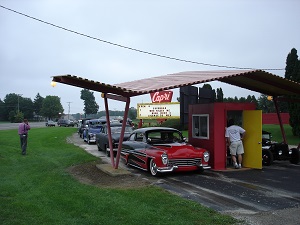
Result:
<point x="82" y="126"/>
<point x="65" y="123"/>
<point x="161" y="150"/>
<point x="93" y="127"/>
<point x="102" y="137"/>
<point x="272" y="150"/>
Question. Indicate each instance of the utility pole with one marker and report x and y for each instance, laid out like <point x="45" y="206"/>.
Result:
<point x="69" y="109"/>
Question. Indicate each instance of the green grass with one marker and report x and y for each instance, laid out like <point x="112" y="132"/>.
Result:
<point x="277" y="136"/>
<point x="37" y="189"/>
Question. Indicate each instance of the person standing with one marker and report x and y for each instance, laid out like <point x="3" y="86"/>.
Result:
<point x="23" y="133"/>
<point x="234" y="135"/>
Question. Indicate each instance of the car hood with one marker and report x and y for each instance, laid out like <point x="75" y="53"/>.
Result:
<point x="94" y="130"/>
<point x="180" y="150"/>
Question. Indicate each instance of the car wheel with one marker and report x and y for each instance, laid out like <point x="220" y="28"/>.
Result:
<point x="267" y="157"/>
<point x="99" y="149"/>
<point x="153" y="168"/>
<point x="107" y="151"/>
<point x="295" y="156"/>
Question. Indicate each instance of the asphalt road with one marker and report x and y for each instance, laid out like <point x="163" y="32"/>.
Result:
<point x="9" y="126"/>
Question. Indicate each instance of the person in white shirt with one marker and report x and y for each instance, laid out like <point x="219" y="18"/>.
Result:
<point x="234" y="135"/>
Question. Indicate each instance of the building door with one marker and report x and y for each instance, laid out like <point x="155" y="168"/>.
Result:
<point x="252" y="123"/>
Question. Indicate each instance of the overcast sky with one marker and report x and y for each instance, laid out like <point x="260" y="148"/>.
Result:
<point x="255" y="34"/>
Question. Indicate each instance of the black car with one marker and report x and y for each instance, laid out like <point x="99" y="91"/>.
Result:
<point x="272" y="150"/>
<point x="102" y="137"/>
<point x="65" y="123"/>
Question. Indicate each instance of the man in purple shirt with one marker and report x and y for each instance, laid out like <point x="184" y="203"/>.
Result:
<point x="23" y="132"/>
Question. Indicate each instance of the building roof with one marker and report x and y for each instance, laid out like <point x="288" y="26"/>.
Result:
<point x="255" y="80"/>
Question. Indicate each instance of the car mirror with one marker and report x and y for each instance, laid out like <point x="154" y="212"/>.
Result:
<point x="184" y="139"/>
<point x="148" y="140"/>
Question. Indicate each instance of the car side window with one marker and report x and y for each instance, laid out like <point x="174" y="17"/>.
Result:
<point x="132" y="137"/>
<point x="139" y="137"/>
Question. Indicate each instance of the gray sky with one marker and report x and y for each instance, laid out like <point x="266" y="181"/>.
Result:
<point x="239" y="33"/>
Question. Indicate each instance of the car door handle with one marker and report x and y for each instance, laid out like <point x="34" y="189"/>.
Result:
<point x="259" y="143"/>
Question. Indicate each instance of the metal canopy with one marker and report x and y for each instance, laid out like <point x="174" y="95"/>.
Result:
<point x="255" y="80"/>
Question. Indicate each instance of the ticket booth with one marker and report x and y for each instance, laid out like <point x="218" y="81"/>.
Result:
<point x="207" y="124"/>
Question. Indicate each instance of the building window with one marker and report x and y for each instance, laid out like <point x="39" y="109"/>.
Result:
<point x="200" y="126"/>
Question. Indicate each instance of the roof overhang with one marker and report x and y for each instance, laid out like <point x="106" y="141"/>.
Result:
<point x="254" y="80"/>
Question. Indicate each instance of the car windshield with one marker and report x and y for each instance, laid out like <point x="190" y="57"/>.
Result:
<point x="118" y="130"/>
<point x="164" y="137"/>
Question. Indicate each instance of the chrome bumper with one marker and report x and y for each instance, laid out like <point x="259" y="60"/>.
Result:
<point x="167" y="169"/>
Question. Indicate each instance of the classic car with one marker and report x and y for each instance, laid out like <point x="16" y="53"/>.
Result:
<point x="102" y="137"/>
<point x="272" y="150"/>
<point x="50" y="123"/>
<point x="65" y="123"/>
<point x="161" y="150"/>
<point x="93" y="127"/>
<point x="82" y="126"/>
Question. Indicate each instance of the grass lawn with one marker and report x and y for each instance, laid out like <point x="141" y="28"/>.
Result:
<point x="36" y="189"/>
<point x="277" y="136"/>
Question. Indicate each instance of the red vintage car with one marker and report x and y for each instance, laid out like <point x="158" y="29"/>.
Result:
<point x="161" y="150"/>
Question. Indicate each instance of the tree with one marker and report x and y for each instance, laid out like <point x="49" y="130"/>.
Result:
<point x="265" y="105"/>
<point x="292" y="72"/>
<point x="51" y="107"/>
<point x="2" y="110"/>
<point x="220" y="95"/>
<point x="38" y="104"/>
<point x="90" y="105"/>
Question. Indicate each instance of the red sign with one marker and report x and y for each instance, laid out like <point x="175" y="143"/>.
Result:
<point x="161" y="96"/>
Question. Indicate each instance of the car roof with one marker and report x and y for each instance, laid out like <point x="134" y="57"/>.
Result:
<point x="146" y="129"/>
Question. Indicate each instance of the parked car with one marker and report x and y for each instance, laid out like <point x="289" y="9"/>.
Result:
<point x="82" y="126"/>
<point x="102" y="137"/>
<point x="272" y="150"/>
<point x="93" y="127"/>
<point x="161" y="150"/>
<point x="50" y="123"/>
<point x="65" y="123"/>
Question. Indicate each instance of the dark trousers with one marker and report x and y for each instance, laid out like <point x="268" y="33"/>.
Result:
<point x="23" y="139"/>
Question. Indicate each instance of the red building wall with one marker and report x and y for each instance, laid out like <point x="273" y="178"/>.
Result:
<point x="271" y="118"/>
<point x="216" y="143"/>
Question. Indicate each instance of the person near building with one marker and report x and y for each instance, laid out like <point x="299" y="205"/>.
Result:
<point x="234" y="135"/>
<point x="23" y="133"/>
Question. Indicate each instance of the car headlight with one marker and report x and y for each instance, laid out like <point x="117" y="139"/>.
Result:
<point x="280" y="152"/>
<point x="164" y="158"/>
<point x="206" y="156"/>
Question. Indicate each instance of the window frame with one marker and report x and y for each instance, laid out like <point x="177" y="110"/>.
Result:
<point x="199" y="116"/>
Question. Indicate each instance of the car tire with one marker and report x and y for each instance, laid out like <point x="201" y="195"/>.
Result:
<point x="107" y="151"/>
<point x="99" y="149"/>
<point x="153" y="168"/>
<point x="267" y="157"/>
<point x="295" y="156"/>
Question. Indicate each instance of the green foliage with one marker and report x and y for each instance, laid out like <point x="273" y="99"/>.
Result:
<point x="37" y="189"/>
<point x="51" y="107"/>
<point x="38" y="104"/>
<point x="292" y="72"/>
<point x="19" y="117"/>
<point x="90" y="105"/>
